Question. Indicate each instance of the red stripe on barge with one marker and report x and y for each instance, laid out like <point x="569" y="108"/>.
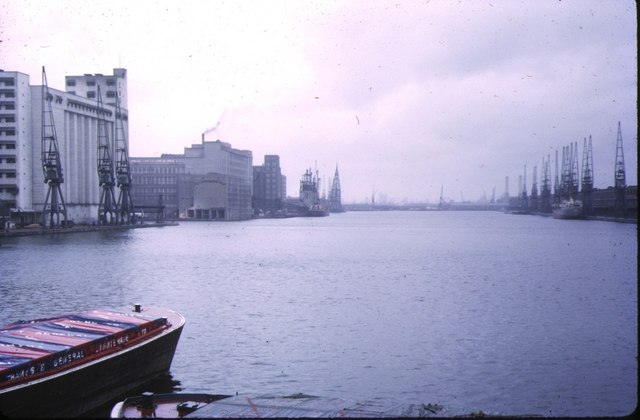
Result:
<point x="58" y="354"/>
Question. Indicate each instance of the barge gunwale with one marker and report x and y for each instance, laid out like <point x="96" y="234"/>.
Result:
<point x="82" y="388"/>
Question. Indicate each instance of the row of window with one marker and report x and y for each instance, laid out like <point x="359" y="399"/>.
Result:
<point x="91" y="82"/>
<point x="8" y="160"/>
<point x="8" y="131"/>
<point x="7" y="81"/>
<point x="8" y="175"/>
<point x="152" y="170"/>
<point x="92" y="94"/>
<point x="155" y="180"/>
<point x="7" y="105"/>
<point x="7" y="93"/>
<point x="8" y="146"/>
<point x="155" y="191"/>
<point x="7" y="118"/>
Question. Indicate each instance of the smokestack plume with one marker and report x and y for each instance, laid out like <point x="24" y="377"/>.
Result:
<point x="212" y="129"/>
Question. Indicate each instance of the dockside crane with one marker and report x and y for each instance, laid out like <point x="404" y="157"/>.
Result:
<point x="575" y="175"/>
<point x="569" y="178"/>
<point x="587" y="176"/>
<point x="620" y="184"/>
<point x="54" y="205"/>
<point x="335" y="196"/>
<point x="533" y="202"/>
<point x="442" y="204"/>
<point x="564" y="174"/>
<point x="557" y="185"/>
<point x="545" y="190"/>
<point x="123" y="170"/>
<point x="107" y="213"/>
<point x="505" y="197"/>
<point x="524" y="201"/>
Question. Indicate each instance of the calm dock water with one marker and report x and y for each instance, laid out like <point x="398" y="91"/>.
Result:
<point x="473" y="311"/>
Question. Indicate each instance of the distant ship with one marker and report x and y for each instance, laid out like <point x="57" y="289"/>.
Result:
<point x="309" y="195"/>
<point x="569" y="209"/>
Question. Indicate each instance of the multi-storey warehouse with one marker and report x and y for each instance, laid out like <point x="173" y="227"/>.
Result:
<point x="111" y="86"/>
<point x="209" y="181"/>
<point x="269" y="186"/>
<point x="217" y="183"/>
<point x="22" y="188"/>
<point x="155" y="184"/>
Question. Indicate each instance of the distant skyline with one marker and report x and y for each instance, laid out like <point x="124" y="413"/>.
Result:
<point x="405" y="97"/>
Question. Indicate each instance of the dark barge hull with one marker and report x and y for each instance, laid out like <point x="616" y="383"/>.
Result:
<point x="76" y="391"/>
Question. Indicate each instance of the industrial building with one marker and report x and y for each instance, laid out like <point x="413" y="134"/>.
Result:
<point x="209" y="181"/>
<point x="269" y="186"/>
<point x="221" y="177"/>
<point x="23" y="109"/>
<point x="155" y="186"/>
<point x="112" y="86"/>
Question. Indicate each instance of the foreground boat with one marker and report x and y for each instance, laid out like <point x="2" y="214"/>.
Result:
<point x="569" y="209"/>
<point x="67" y="365"/>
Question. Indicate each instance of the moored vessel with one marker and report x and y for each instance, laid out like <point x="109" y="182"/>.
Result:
<point x="67" y="365"/>
<point x="309" y="196"/>
<point x="569" y="209"/>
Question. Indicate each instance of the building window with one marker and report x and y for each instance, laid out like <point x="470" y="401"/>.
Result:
<point x="91" y="82"/>
<point x="111" y="82"/>
<point x="91" y="94"/>
<point x="111" y="94"/>
<point x="71" y="82"/>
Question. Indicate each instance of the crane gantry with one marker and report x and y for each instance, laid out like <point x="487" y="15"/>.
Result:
<point x="123" y="170"/>
<point x="587" y="176"/>
<point x="620" y="183"/>
<point x="107" y="213"/>
<point x="54" y="205"/>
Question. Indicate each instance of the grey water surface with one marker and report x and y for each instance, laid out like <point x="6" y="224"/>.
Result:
<point x="475" y="311"/>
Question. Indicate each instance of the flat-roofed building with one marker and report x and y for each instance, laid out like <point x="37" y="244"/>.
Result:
<point x="155" y="183"/>
<point x="217" y="182"/>
<point x="110" y="85"/>
<point x="269" y="189"/>
<point x="75" y="119"/>
<point x="209" y="181"/>
<point x="15" y="153"/>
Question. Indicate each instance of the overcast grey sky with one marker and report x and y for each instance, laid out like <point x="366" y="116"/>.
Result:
<point x="405" y="97"/>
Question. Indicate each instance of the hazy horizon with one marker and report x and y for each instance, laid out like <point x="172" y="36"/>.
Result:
<point x="406" y="98"/>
